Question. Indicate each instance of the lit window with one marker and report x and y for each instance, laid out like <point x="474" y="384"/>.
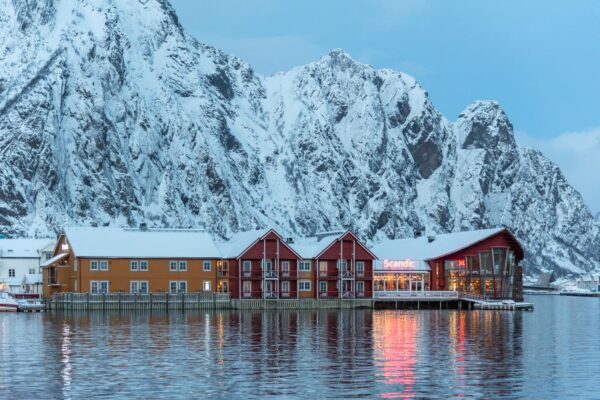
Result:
<point x="206" y="286"/>
<point x="206" y="266"/>
<point x="143" y="265"/>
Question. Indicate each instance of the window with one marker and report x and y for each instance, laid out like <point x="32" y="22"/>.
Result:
<point x="94" y="265"/>
<point x="323" y="287"/>
<point x="31" y="271"/>
<point x="323" y="268"/>
<point x="206" y="286"/>
<point x="285" y="286"/>
<point x="138" y="286"/>
<point x="177" y="286"/>
<point x="285" y="268"/>
<point x="48" y="256"/>
<point x="304" y="286"/>
<point x="342" y="264"/>
<point x="247" y="266"/>
<point x="182" y="286"/>
<point x="206" y="266"/>
<point x="360" y="267"/>
<point x="173" y="287"/>
<point x="11" y="273"/>
<point x="304" y="266"/>
<point x="75" y="265"/>
<point x="143" y="265"/>
<point x="134" y="265"/>
<point x="172" y="265"/>
<point x="103" y="265"/>
<point x="247" y="288"/>
<point x="360" y="287"/>
<point x="183" y="265"/>
<point x="267" y="265"/>
<point x="75" y="285"/>
<point x="98" y="286"/>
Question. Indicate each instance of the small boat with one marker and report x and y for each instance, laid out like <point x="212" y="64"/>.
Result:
<point x="30" y="305"/>
<point x="7" y="302"/>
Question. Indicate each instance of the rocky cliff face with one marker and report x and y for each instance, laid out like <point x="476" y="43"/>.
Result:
<point x="111" y="114"/>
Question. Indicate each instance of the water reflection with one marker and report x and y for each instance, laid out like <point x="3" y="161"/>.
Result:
<point x="307" y="354"/>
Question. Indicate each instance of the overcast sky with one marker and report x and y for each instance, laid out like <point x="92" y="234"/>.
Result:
<point x="539" y="59"/>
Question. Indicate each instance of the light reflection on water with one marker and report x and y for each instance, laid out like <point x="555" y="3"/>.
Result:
<point x="550" y="353"/>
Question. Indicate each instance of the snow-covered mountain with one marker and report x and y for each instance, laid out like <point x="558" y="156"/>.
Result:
<point x="110" y="113"/>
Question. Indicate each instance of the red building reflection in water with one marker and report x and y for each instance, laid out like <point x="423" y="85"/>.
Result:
<point x="395" y="348"/>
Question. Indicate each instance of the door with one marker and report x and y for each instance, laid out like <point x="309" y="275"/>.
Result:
<point x="416" y="286"/>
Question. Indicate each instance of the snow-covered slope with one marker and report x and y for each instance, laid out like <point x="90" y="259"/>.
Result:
<point x="111" y="114"/>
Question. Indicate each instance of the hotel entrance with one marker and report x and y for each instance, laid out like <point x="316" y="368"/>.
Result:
<point x="401" y="276"/>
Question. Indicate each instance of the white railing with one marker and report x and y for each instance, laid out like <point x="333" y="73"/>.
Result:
<point x="270" y="275"/>
<point x="415" y="294"/>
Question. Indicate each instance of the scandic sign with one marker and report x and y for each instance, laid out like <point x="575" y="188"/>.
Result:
<point x="401" y="265"/>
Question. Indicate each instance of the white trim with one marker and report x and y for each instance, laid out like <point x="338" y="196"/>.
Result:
<point x="204" y="263"/>
<point x="304" y="285"/>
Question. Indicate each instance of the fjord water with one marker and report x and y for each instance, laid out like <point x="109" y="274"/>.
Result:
<point x="553" y="352"/>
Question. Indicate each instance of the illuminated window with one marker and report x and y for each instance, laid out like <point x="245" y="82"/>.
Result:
<point x="206" y="286"/>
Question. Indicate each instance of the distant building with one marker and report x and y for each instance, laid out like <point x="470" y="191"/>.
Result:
<point x="589" y="282"/>
<point x="20" y="261"/>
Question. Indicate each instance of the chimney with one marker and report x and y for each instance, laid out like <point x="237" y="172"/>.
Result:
<point x="289" y="240"/>
<point x="430" y="238"/>
<point x="143" y="226"/>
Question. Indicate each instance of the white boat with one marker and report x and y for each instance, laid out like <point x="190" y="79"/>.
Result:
<point x="7" y="302"/>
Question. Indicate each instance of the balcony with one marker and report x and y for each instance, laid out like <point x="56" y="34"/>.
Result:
<point x="271" y="295"/>
<point x="328" y="274"/>
<point x="347" y="274"/>
<point x="271" y="274"/>
<point x="285" y="295"/>
<point x="251" y="274"/>
<point x="347" y="295"/>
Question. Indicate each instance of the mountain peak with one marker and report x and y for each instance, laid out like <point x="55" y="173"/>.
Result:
<point x="484" y="124"/>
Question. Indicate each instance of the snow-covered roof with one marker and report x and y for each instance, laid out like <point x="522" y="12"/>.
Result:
<point x="312" y="246"/>
<point x="239" y="242"/>
<point x="54" y="259"/>
<point x="23" y="248"/>
<point x="135" y="243"/>
<point x="421" y="249"/>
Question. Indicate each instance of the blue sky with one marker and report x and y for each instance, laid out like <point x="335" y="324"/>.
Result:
<point x="539" y="59"/>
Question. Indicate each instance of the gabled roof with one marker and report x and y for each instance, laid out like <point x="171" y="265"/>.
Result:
<point x="23" y="248"/>
<point x="314" y="246"/>
<point x="237" y="245"/>
<point x="421" y="249"/>
<point x="135" y="243"/>
<point x="54" y="259"/>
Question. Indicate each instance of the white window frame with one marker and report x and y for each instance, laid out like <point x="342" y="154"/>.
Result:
<point x="285" y="267"/>
<point x="206" y="263"/>
<point x="321" y="284"/>
<point x="171" y="283"/>
<point x="267" y="264"/>
<point x="147" y="289"/>
<point x="360" y="267"/>
<point x="103" y="265"/>
<point x="247" y="284"/>
<point x="134" y="286"/>
<point x="96" y="285"/>
<point x="101" y="283"/>
<point x="48" y="256"/>
<point x="358" y="285"/>
<point x="246" y="266"/>
<point x="207" y="286"/>
<point x="182" y="286"/>
<point x="173" y="265"/>
<point x="94" y="265"/>
<point x="144" y="265"/>
<point x="134" y="265"/>
<point x="182" y="265"/>
<point x="304" y="266"/>
<point x="304" y="285"/>
<point x="342" y="265"/>
<point x="285" y="285"/>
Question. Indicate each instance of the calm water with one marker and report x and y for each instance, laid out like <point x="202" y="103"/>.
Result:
<point x="553" y="352"/>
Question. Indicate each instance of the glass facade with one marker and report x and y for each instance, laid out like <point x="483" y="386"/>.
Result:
<point x="400" y="281"/>
<point x="488" y="274"/>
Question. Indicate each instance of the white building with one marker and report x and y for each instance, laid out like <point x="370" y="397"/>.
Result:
<point x="20" y="261"/>
<point x="589" y="282"/>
